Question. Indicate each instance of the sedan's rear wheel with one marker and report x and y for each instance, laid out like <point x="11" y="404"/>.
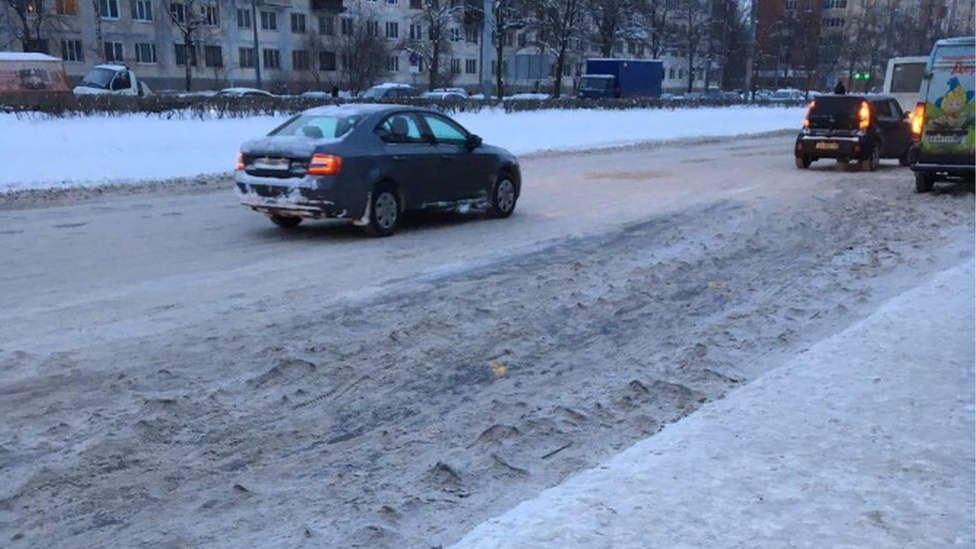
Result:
<point x="285" y="222"/>
<point x="803" y="162"/>
<point x="503" y="197"/>
<point x="384" y="212"/>
<point x="924" y="182"/>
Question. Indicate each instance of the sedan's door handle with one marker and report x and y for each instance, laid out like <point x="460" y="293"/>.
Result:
<point x="448" y="157"/>
<point x="399" y="157"/>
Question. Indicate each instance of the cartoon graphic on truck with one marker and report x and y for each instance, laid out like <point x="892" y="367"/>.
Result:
<point x="953" y="106"/>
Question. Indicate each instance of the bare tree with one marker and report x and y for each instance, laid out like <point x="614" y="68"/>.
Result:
<point x="363" y="52"/>
<point x="29" y="23"/>
<point x="436" y="19"/>
<point x="609" y="23"/>
<point x="191" y="19"/>
<point x="559" y="23"/>
<point x="660" y="28"/>
<point x="507" y="16"/>
<point x="693" y="19"/>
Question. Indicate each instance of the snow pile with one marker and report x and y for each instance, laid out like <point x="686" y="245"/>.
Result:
<point x="866" y="440"/>
<point x="89" y="151"/>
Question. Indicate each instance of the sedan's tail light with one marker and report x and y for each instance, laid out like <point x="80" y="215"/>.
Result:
<point x="806" y="117"/>
<point x="864" y="116"/>
<point x="324" y="164"/>
<point x="918" y="120"/>
<point x="240" y="161"/>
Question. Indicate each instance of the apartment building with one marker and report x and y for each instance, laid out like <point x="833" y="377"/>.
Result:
<point x="296" y="45"/>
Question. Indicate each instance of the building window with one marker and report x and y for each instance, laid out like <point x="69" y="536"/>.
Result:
<point x="416" y="32"/>
<point x="391" y="2"/>
<point x="244" y="18"/>
<point x="181" y="55"/>
<point x="245" y="58"/>
<point x="373" y="28"/>
<point x="416" y="4"/>
<point x="178" y="12"/>
<point x="392" y="29"/>
<point x="346" y="26"/>
<point x="269" y="21"/>
<point x="455" y="66"/>
<point x="67" y="7"/>
<point x="142" y="10"/>
<point x="327" y="61"/>
<point x="71" y="50"/>
<point x="671" y="73"/>
<point x="523" y="40"/>
<point x="790" y="4"/>
<point x="298" y="23"/>
<point x="456" y="35"/>
<point x="471" y="66"/>
<point x="113" y="51"/>
<point x="471" y="34"/>
<point x="327" y="25"/>
<point x="393" y="63"/>
<point x="211" y="15"/>
<point x="108" y="9"/>
<point x="146" y="53"/>
<point x="33" y="6"/>
<point x="271" y="59"/>
<point x="300" y="60"/>
<point x="213" y="56"/>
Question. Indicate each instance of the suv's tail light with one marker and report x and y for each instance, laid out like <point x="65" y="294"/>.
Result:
<point x="240" y="161"/>
<point x="324" y="164"/>
<point x="806" y="117"/>
<point x="918" y="120"/>
<point x="864" y="116"/>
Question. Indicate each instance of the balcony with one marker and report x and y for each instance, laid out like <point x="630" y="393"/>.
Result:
<point x="327" y="5"/>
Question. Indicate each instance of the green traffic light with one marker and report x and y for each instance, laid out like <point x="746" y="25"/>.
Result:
<point x="857" y="76"/>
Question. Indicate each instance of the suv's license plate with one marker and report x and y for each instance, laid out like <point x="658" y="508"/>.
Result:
<point x="828" y="145"/>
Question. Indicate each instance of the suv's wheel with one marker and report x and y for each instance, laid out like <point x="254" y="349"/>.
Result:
<point x="803" y="162"/>
<point x="384" y="212"/>
<point x="872" y="162"/>
<point x="503" y="197"/>
<point x="924" y="182"/>
<point x="285" y="222"/>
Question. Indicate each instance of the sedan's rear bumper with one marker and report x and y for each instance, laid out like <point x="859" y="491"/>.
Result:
<point x="308" y="197"/>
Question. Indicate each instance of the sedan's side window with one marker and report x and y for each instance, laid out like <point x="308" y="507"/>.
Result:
<point x="445" y="131"/>
<point x="400" y="128"/>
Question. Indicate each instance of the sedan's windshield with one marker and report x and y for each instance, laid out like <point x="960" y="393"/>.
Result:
<point x="317" y="126"/>
<point x="374" y="93"/>
<point x="98" y="78"/>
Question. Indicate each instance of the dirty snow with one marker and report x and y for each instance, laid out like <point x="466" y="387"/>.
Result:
<point x="93" y="151"/>
<point x="866" y="440"/>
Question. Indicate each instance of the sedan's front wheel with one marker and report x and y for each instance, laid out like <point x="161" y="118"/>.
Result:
<point x="384" y="212"/>
<point x="503" y="197"/>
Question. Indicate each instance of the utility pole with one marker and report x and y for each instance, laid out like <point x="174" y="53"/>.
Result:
<point x="257" y="51"/>
<point x="486" y="49"/>
<point x="751" y="47"/>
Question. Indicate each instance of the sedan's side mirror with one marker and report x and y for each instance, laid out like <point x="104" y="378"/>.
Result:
<point x="473" y="142"/>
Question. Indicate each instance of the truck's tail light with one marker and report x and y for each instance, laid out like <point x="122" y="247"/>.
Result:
<point x="324" y="164"/>
<point x="240" y="161"/>
<point x="806" y="117"/>
<point x="864" y="116"/>
<point x="918" y="120"/>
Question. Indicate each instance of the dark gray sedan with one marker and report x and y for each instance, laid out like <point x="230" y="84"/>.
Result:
<point x="370" y="163"/>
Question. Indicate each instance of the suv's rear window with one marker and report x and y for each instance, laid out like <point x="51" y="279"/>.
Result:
<point x="835" y="112"/>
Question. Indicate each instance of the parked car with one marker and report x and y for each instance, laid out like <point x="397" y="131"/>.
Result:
<point x="243" y="92"/>
<point x="943" y="123"/>
<point x="788" y="94"/>
<point x="368" y="163"/>
<point x="865" y="128"/>
<point x="391" y="90"/>
<point x="458" y="91"/>
<point x="444" y="96"/>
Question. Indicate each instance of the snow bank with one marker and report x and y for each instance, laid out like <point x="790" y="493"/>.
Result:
<point x="90" y="151"/>
<point x="866" y="440"/>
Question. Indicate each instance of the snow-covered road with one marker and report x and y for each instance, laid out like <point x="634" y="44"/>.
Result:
<point x="175" y="371"/>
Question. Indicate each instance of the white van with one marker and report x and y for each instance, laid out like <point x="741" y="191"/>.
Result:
<point x="943" y="122"/>
<point x="903" y="80"/>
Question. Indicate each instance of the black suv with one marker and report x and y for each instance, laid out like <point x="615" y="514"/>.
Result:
<point x="865" y="128"/>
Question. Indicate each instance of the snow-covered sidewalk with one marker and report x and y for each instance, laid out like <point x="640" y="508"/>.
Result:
<point x="866" y="440"/>
<point x="133" y="149"/>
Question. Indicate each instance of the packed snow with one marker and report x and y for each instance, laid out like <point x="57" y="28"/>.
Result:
<point x="41" y="153"/>
<point x="866" y="440"/>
